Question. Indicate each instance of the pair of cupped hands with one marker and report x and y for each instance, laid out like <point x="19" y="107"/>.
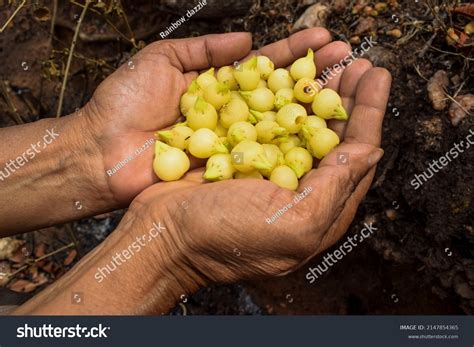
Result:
<point x="217" y="232"/>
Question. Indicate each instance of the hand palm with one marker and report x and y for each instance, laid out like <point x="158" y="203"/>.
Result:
<point x="222" y="227"/>
<point x="140" y="98"/>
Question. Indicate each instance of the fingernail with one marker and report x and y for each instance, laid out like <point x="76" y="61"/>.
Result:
<point x="375" y="156"/>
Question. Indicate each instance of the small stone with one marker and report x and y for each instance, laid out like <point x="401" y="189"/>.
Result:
<point x="469" y="28"/>
<point x="368" y="9"/>
<point x="381" y="7"/>
<point x="355" y="40"/>
<point x="393" y="4"/>
<point x="356" y="9"/>
<point x="374" y="13"/>
<point x="396" y="33"/>
<point x="391" y="214"/>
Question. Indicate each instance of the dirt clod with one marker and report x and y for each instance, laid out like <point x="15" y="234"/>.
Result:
<point x="314" y="16"/>
<point x="383" y="57"/>
<point x="437" y="90"/>
<point x="340" y="6"/>
<point x="461" y="108"/>
<point x="366" y="25"/>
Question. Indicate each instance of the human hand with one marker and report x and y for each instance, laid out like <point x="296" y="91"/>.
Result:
<point x="219" y="232"/>
<point x="143" y="95"/>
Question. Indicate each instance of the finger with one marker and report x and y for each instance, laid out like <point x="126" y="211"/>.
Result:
<point x="345" y="218"/>
<point x="328" y="64"/>
<point x="195" y="175"/>
<point x="330" y="61"/>
<point x="335" y="180"/>
<point x="347" y="87"/>
<point x="331" y="78"/>
<point x="286" y="51"/>
<point x="205" y="51"/>
<point x="190" y="76"/>
<point x="330" y="58"/>
<point x="350" y="80"/>
<point x="365" y="123"/>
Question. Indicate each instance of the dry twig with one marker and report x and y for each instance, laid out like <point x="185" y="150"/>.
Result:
<point x="12" y="16"/>
<point x="106" y="19"/>
<point x="53" y="19"/>
<point x="37" y="260"/>
<point x="6" y="95"/>
<point x="71" y="52"/>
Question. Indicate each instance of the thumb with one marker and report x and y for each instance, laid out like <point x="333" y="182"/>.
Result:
<point x="202" y="52"/>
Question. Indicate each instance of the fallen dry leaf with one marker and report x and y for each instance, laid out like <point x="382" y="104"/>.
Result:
<point x="70" y="257"/>
<point x="23" y="286"/>
<point x="467" y="10"/>
<point x="33" y="271"/>
<point x="5" y="270"/>
<point x="49" y="267"/>
<point x="18" y="257"/>
<point x="3" y="279"/>
<point x="41" y="279"/>
<point x="457" y="38"/>
<point x="8" y="247"/>
<point x="40" y="250"/>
